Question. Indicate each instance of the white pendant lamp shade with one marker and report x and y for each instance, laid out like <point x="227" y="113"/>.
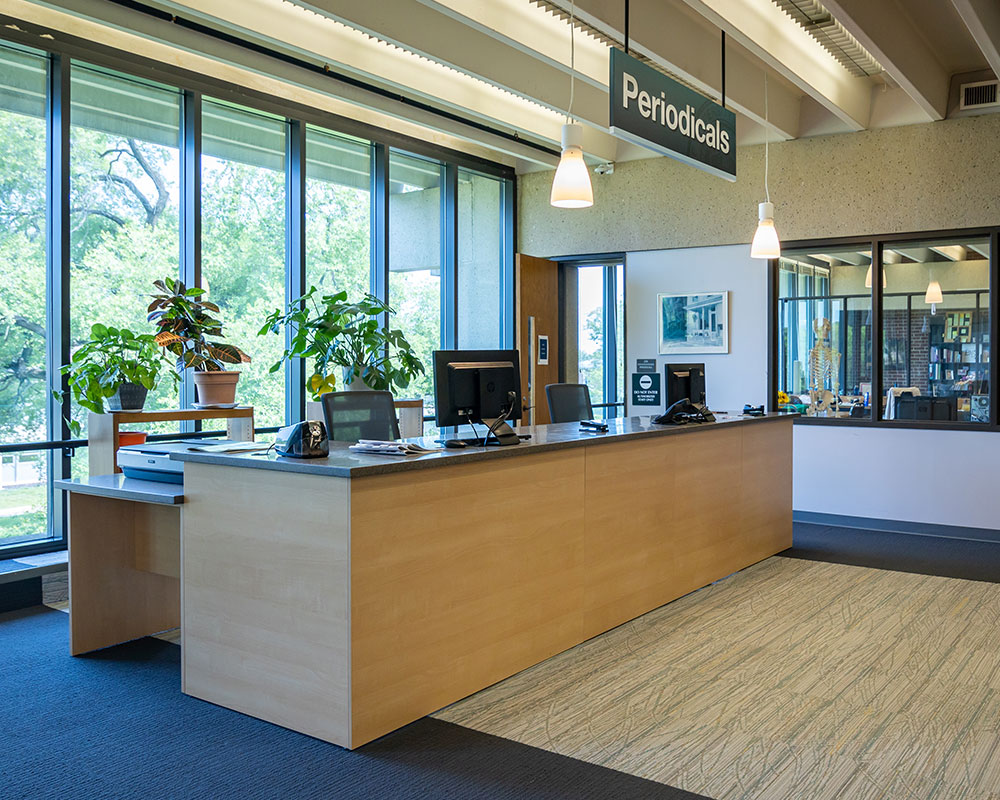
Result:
<point x="571" y="186"/>
<point x="765" y="240"/>
<point x="933" y="295"/>
<point x="868" y="278"/>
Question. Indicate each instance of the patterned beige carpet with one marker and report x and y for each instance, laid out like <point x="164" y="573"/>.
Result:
<point x="791" y="680"/>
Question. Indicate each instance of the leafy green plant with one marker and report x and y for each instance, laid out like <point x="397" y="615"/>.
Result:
<point x="185" y="324"/>
<point x="332" y="332"/>
<point x="110" y="357"/>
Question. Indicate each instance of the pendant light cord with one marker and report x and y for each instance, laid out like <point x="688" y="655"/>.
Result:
<point x="572" y="59"/>
<point x="767" y="137"/>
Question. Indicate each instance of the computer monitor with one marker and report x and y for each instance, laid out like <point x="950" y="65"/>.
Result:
<point x="478" y="386"/>
<point x="685" y="380"/>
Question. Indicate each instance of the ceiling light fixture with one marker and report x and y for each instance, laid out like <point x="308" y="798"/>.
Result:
<point x="933" y="294"/>
<point x="868" y="278"/>
<point x="765" y="241"/>
<point x="571" y="186"/>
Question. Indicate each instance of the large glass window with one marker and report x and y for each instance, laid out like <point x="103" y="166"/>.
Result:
<point x="600" y="336"/>
<point x="415" y="260"/>
<point x="936" y="330"/>
<point x="338" y="213"/>
<point x="243" y="242"/>
<point x="124" y="170"/>
<point x="824" y="332"/>
<point x="24" y="507"/>
<point x="480" y="261"/>
<point x="124" y="206"/>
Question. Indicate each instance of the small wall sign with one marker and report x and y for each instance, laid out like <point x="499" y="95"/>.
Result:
<point x="645" y="388"/>
<point x="645" y="365"/>
<point x="543" y="350"/>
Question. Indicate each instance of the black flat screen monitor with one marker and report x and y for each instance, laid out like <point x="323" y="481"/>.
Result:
<point x="685" y="380"/>
<point x="476" y="385"/>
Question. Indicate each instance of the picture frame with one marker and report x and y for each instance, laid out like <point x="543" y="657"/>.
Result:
<point x="693" y="323"/>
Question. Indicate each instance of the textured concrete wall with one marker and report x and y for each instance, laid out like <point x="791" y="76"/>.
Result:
<point x="919" y="177"/>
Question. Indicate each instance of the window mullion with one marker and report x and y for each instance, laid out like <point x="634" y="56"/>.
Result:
<point x="58" y="277"/>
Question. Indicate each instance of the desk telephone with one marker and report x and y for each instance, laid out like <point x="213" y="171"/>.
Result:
<point x="683" y="412"/>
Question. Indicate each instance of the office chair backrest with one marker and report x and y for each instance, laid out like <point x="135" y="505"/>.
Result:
<point x="351" y="416"/>
<point x="569" y="402"/>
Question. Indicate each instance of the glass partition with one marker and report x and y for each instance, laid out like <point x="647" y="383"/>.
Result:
<point x="480" y="261"/>
<point x="415" y="261"/>
<point x="243" y="242"/>
<point x="936" y="331"/>
<point x="824" y="332"/>
<point x="338" y="213"/>
<point x="24" y="501"/>
<point x="124" y="206"/>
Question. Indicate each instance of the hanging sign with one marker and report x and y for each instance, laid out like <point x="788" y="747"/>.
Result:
<point x="655" y="111"/>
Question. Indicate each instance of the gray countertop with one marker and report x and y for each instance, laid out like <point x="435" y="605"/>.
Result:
<point x="121" y="488"/>
<point x="343" y="463"/>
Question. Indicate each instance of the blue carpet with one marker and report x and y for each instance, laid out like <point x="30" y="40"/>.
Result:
<point x="114" y="724"/>
<point x="902" y="552"/>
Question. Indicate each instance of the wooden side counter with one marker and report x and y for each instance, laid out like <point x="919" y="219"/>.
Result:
<point x="347" y="597"/>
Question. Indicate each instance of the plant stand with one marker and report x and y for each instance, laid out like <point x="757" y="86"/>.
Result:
<point x="102" y="443"/>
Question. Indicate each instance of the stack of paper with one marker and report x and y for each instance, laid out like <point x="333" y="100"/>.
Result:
<point x="231" y="447"/>
<point x="391" y="448"/>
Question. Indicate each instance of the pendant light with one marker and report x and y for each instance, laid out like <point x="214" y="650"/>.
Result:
<point x="868" y="278"/>
<point x="765" y="241"/>
<point x="571" y="186"/>
<point x="933" y="294"/>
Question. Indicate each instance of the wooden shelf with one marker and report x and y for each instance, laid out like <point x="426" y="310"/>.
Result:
<point x="103" y="429"/>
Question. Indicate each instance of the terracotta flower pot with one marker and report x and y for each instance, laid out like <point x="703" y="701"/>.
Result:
<point x="216" y="388"/>
<point x="131" y="437"/>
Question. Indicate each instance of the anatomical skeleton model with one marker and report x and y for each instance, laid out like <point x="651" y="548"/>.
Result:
<point x="824" y="368"/>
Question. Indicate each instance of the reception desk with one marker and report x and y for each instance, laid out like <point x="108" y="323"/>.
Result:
<point x="345" y="597"/>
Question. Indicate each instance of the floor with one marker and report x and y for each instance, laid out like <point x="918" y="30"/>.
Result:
<point x="791" y="679"/>
<point x="843" y="668"/>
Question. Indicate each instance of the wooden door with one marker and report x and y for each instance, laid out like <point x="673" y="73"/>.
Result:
<point x="537" y="292"/>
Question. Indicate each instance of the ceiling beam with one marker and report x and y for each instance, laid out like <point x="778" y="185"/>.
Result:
<point x="775" y="38"/>
<point x="685" y="45"/>
<point x="896" y="43"/>
<point x="252" y="69"/>
<point x="442" y="38"/>
<point x="982" y="18"/>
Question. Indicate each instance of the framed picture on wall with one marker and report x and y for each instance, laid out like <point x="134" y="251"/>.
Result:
<point x="693" y="323"/>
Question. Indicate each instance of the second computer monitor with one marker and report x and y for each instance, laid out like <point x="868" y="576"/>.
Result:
<point x="685" y="380"/>
<point x="473" y="385"/>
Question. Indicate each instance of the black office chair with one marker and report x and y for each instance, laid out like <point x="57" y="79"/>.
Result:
<point x="569" y="402"/>
<point x="352" y="416"/>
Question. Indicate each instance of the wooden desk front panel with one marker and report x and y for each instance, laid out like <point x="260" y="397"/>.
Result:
<point x="668" y="516"/>
<point x="266" y="596"/>
<point x="461" y="576"/>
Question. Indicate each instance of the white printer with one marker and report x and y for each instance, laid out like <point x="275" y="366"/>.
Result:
<point x="151" y="461"/>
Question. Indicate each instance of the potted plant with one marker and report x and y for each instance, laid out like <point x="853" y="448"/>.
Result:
<point x="186" y="326"/>
<point x="113" y="365"/>
<point x="336" y="334"/>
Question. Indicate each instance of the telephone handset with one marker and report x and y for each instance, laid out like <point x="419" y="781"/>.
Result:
<point x="684" y="411"/>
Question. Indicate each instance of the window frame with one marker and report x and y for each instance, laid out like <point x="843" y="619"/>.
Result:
<point x="610" y="262"/>
<point x="61" y="54"/>
<point x="877" y="243"/>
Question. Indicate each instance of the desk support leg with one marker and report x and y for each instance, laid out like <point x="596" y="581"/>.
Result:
<point x="110" y="599"/>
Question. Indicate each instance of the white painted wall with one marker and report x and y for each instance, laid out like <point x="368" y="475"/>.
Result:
<point x="941" y="477"/>
<point x="731" y="379"/>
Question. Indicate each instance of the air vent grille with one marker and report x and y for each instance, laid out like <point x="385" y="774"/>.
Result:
<point x="981" y="94"/>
